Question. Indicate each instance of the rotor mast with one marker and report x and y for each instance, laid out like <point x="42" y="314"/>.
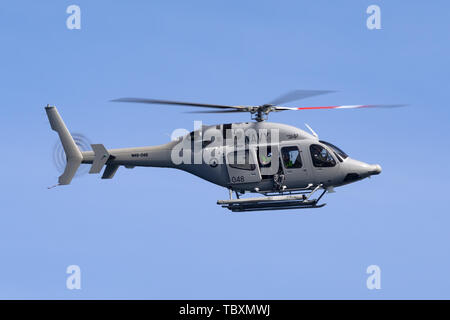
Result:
<point x="261" y="113"/>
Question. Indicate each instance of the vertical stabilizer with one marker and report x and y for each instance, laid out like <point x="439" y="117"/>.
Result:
<point x="73" y="153"/>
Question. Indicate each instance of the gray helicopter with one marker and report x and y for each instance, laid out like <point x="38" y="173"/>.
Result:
<point x="286" y="166"/>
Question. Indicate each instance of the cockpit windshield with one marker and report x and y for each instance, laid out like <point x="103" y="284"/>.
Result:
<point x="338" y="151"/>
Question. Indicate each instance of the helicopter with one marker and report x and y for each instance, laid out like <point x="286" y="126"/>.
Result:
<point x="284" y="165"/>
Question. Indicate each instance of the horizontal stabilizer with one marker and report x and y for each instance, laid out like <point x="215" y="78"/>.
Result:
<point x="101" y="157"/>
<point x="110" y="171"/>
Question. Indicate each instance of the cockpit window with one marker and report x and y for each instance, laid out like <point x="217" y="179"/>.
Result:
<point x="321" y="157"/>
<point x="341" y="153"/>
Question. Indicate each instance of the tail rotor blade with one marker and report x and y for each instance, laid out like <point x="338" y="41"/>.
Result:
<point x="60" y="158"/>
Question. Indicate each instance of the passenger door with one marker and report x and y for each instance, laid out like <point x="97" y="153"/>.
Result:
<point x="242" y="166"/>
<point x="268" y="160"/>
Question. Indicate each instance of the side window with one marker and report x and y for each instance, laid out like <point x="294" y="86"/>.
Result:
<point x="265" y="158"/>
<point x="240" y="160"/>
<point x="291" y="157"/>
<point x="321" y="157"/>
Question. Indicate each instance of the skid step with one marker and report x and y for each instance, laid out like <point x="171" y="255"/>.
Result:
<point x="281" y="202"/>
<point x="264" y="199"/>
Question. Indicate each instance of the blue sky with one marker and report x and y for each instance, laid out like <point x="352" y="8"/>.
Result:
<point x="158" y="233"/>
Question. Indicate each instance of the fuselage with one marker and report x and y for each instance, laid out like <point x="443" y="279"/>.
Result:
<point x="250" y="156"/>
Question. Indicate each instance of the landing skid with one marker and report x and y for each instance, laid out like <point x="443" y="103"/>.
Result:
<point x="276" y="202"/>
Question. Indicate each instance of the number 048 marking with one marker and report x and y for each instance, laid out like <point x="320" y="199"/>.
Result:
<point x="238" y="179"/>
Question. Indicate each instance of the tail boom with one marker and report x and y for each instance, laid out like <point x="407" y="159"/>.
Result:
<point x="99" y="157"/>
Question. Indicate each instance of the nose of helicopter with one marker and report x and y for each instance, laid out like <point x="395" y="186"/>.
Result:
<point x="356" y="170"/>
<point x="375" y="169"/>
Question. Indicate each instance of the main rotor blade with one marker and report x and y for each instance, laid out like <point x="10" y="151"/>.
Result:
<point x="218" y="111"/>
<point x="297" y="95"/>
<point x="345" y="107"/>
<point x="179" y="103"/>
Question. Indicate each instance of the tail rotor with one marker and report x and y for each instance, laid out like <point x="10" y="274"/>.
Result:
<point x="60" y="158"/>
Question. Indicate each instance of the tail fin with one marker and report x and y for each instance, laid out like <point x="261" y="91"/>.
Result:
<point x="73" y="154"/>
